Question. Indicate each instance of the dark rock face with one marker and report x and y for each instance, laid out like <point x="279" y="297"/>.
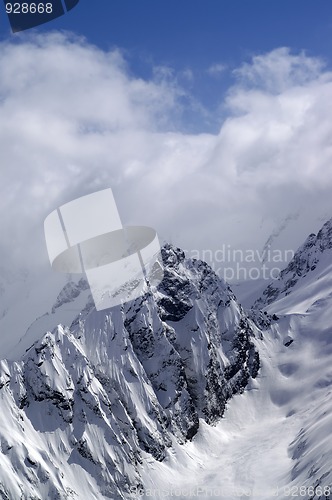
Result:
<point x="210" y="381"/>
<point x="175" y="288"/>
<point x="133" y="376"/>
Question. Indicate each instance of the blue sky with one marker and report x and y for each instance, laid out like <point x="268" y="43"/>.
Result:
<point x="191" y="36"/>
<point x="198" y="33"/>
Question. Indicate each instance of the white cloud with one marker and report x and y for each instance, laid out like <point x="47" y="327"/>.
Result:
<point x="74" y="120"/>
<point x="280" y="69"/>
<point x="187" y="74"/>
<point x="216" y="69"/>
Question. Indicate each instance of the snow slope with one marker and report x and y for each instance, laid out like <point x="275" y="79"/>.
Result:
<point x="275" y="439"/>
<point x="27" y="307"/>
<point x="168" y="397"/>
<point x="86" y="405"/>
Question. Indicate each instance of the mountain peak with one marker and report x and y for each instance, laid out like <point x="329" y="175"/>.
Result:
<point x="303" y="264"/>
<point x="124" y="382"/>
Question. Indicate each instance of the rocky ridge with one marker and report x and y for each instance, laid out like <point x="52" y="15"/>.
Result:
<point x="303" y="263"/>
<point x="117" y="386"/>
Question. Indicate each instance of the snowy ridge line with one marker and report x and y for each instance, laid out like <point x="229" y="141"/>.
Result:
<point x="315" y="251"/>
<point x="91" y="401"/>
<point x="136" y="401"/>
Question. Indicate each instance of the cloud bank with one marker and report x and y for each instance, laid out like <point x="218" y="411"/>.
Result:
<point x="74" y="119"/>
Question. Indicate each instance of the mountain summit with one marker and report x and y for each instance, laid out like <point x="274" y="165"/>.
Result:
<point x="87" y="404"/>
<point x="178" y="393"/>
<point x="308" y="266"/>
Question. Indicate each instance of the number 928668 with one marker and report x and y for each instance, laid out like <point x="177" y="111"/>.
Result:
<point x="29" y="8"/>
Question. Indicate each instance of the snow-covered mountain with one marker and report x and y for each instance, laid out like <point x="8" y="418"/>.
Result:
<point x="274" y="440"/>
<point x="90" y="404"/>
<point x="179" y="393"/>
<point x="308" y="276"/>
<point x="33" y="302"/>
<point x="301" y="301"/>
